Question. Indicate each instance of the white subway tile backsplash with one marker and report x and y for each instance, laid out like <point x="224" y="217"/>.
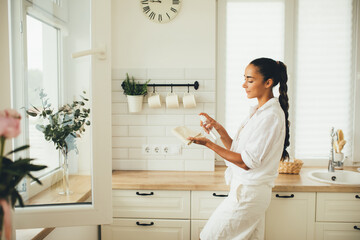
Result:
<point x="129" y="164"/>
<point x="209" y="154"/>
<point x="137" y="73"/>
<point x="129" y="120"/>
<point x="137" y="153"/>
<point x="199" y="165"/>
<point x="209" y="108"/>
<point x="172" y="165"/>
<point x="192" y="120"/>
<point x="209" y="86"/>
<point x="120" y="131"/>
<point x="131" y="131"/>
<point x="149" y="131"/>
<point x="128" y="142"/>
<point x="118" y="97"/>
<point x="165" y="120"/>
<point x="120" y="153"/>
<point x="116" y="85"/>
<point x="152" y="111"/>
<point x="200" y="73"/>
<point x="187" y="154"/>
<point x="166" y="73"/>
<point x="163" y="140"/>
<point x="119" y="108"/>
<point x="205" y="97"/>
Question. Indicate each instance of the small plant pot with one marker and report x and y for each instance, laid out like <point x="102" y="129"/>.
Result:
<point x="135" y="103"/>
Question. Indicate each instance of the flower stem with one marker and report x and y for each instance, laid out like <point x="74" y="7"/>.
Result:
<point x="2" y="148"/>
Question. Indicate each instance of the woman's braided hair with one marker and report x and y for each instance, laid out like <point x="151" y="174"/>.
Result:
<point x="276" y="70"/>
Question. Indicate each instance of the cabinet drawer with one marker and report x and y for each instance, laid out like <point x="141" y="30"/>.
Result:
<point x="150" y="229"/>
<point x="336" y="231"/>
<point x="338" y="207"/>
<point x="196" y="228"/>
<point x="203" y="203"/>
<point x="151" y="204"/>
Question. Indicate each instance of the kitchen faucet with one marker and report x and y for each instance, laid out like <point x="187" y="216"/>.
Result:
<point x="332" y="162"/>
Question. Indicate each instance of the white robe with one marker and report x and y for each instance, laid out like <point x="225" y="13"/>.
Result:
<point x="260" y="141"/>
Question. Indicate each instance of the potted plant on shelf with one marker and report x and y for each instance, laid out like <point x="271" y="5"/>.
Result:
<point x="62" y="128"/>
<point x="135" y="93"/>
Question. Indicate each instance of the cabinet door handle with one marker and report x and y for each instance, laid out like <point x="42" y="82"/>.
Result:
<point x="291" y="196"/>
<point x="357" y="196"/>
<point x="220" y="195"/>
<point x="144" y="194"/>
<point x="356" y="227"/>
<point x="144" y="224"/>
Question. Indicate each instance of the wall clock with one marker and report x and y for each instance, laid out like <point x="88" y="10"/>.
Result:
<point x="160" y="11"/>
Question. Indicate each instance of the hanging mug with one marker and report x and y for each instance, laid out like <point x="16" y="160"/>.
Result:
<point x="154" y="100"/>
<point x="172" y="100"/>
<point x="189" y="100"/>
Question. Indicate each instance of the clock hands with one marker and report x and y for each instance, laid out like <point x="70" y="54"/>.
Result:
<point x="155" y="1"/>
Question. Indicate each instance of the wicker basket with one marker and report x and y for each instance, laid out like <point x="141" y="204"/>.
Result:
<point x="290" y="167"/>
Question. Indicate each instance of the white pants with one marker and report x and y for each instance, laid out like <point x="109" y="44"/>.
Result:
<point x="241" y="216"/>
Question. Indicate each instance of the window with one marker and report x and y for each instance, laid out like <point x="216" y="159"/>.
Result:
<point x="315" y="40"/>
<point x="43" y="63"/>
<point x="62" y="28"/>
<point x="324" y="82"/>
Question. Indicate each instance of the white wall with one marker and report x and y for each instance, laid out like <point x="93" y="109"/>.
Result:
<point x="187" y="41"/>
<point x="181" y="51"/>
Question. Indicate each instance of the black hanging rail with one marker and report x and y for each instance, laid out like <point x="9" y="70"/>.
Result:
<point x="195" y="85"/>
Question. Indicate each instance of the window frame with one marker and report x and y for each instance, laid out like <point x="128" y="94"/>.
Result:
<point x="290" y="48"/>
<point x="99" y="211"/>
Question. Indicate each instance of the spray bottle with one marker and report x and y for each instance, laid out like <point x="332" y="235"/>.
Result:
<point x="205" y="122"/>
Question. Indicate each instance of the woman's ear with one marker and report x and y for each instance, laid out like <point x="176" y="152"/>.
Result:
<point x="269" y="83"/>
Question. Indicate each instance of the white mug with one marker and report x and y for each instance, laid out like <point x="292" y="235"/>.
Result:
<point x="172" y="100"/>
<point x="154" y="100"/>
<point x="189" y="100"/>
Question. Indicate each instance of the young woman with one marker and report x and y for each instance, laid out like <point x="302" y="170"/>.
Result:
<point x="252" y="156"/>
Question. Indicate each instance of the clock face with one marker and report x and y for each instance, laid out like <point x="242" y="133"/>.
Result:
<point x="160" y="11"/>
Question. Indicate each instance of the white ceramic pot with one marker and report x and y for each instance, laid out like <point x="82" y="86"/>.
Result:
<point x="135" y="103"/>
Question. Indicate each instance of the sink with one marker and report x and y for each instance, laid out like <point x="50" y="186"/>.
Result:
<point x="338" y="177"/>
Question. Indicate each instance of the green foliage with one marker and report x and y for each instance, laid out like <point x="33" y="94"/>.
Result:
<point x="12" y="172"/>
<point x="64" y="125"/>
<point x="133" y="88"/>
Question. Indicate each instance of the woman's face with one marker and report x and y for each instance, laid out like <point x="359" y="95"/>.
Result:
<point x="254" y="82"/>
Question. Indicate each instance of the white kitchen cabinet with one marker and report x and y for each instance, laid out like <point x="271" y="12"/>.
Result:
<point x="149" y="214"/>
<point x="337" y="216"/>
<point x="336" y="231"/>
<point x="149" y="229"/>
<point x="338" y="207"/>
<point x="291" y="215"/>
<point x="196" y="228"/>
<point x="151" y="204"/>
<point x="203" y="203"/>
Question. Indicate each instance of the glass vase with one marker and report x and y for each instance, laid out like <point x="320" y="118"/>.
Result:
<point x="65" y="177"/>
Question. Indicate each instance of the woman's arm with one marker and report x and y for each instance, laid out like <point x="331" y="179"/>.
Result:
<point x="211" y="123"/>
<point x="230" y="156"/>
<point x="224" y="136"/>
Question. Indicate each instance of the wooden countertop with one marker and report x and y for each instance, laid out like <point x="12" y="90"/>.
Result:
<point x="214" y="181"/>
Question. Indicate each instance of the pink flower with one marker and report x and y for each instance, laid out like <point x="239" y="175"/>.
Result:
<point x="9" y="123"/>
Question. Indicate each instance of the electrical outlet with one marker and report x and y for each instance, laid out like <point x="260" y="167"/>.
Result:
<point x="161" y="149"/>
<point x="146" y="149"/>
